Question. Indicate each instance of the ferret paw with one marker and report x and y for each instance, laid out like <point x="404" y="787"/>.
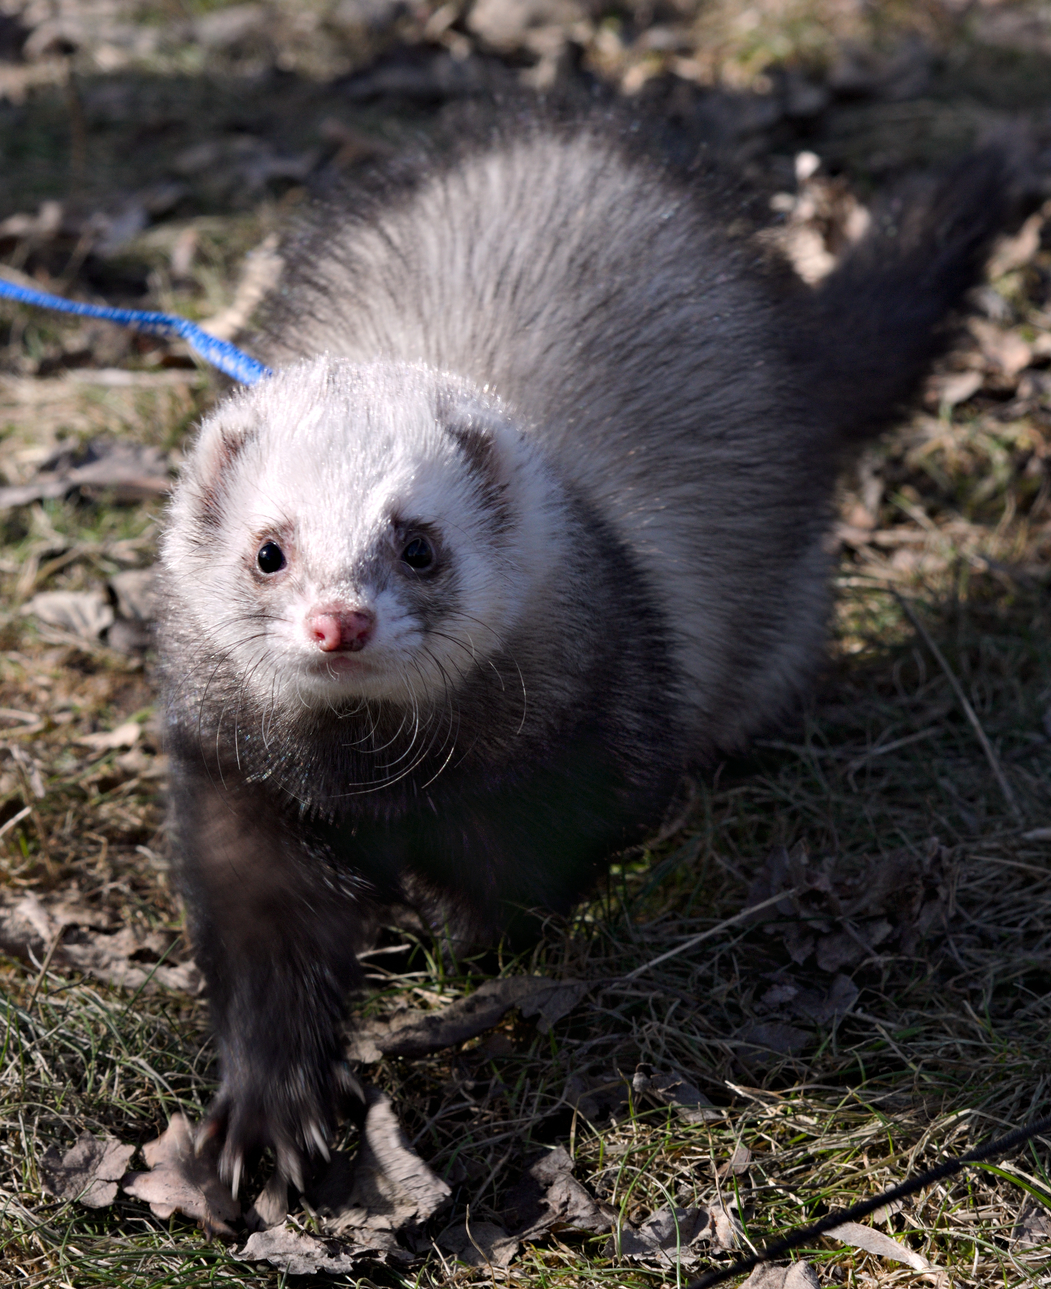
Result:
<point x="293" y="1117"/>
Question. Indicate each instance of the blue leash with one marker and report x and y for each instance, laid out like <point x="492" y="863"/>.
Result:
<point x="220" y="353"/>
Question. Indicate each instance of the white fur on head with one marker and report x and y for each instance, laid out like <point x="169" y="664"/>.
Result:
<point x="340" y="465"/>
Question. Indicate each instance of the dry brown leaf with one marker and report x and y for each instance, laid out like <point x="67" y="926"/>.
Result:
<point x="131" y="471"/>
<point x="593" y="1095"/>
<point x="548" y="1197"/>
<point x="126" y="735"/>
<point x="86" y="941"/>
<point x="737" y="1164"/>
<point x="759" y="1042"/>
<point x="664" y="1238"/>
<point x="388" y="1187"/>
<point x="183" y="1180"/>
<point x="894" y="901"/>
<point x="949" y="388"/>
<point x="1033" y="1226"/>
<point x="85" y="613"/>
<point x="416" y="1033"/>
<point x="882" y="1246"/>
<point x="136" y="592"/>
<point x="298" y="1254"/>
<point x="821" y="1006"/>
<point x="88" y="1172"/>
<point x="692" y="1105"/>
<point x="1015" y="251"/>
<point x="725" y="1227"/>
<point x="479" y="1244"/>
<point x="797" y="1275"/>
<point x="1004" y="351"/>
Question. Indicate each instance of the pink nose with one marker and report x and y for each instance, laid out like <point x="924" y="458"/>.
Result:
<point x="340" y="629"/>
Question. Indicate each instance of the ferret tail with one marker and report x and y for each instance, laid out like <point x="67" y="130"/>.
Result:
<point x="881" y="317"/>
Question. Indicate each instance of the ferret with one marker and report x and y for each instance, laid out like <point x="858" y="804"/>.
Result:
<point x="531" y="517"/>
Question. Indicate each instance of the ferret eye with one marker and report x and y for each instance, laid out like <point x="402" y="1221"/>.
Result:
<point x="271" y="558"/>
<point x="418" y="554"/>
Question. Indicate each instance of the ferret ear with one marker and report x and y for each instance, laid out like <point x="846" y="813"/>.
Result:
<point x="487" y="438"/>
<point x="220" y="442"/>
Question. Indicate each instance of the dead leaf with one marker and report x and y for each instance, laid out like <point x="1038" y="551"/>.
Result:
<point x="725" y="1227"/>
<point x="131" y="471"/>
<point x="271" y="1204"/>
<point x="737" y="1164"/>
<point x="126" y="735"/>
<point x="875" y="1242"/>
<point x="389" y="1188"/>
<point x="664" y="1237"/>
<point x="949" y="388"/>
<point x="893" y="901"/>
<point x="849" y="948"/>
<point x="136" y="592"/>
<point x="547" y="1197"/>
<point x="298" y="1254"/>
<point x="184" y="1180"/>
<point x="797" y="1275"/>
<point x="479" y="1244"/>
<point x="88" y="1172"/>
<point x="759" y="1042"/>
<point x="1016" y="251"/>
<point x="1033" y="1226"/>
<point x="416" y="1033"/>
<point x="593" y="1095"/>
<point x="692" y="1105"/>
<point x="1003" y="350"/>
<point x="85" y="613"/>
<point x="88" y="942"/>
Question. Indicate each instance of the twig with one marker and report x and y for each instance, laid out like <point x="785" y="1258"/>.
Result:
<point x="705" y="935"/>
<point x="968" y="710"/>
<point x="15" y="819"/>
<point x="43" y="968"/>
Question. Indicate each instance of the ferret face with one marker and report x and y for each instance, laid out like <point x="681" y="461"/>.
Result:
<point x="348" y="532"/>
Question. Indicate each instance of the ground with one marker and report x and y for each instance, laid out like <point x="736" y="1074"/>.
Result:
<point x="894" y="1009"/>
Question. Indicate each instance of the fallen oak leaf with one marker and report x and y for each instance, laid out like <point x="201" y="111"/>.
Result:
<point x="133" y="472"/>
<point x="548" y="1197"/>
<point x="665" y="1237"/>
<point x="479" y="1244"/>
<point x="387" y="1188"/>
<point x="797" y="1275"/>
<point x="299" y="1254"/>
<point x="691" y="1104"/>
<point x="182" y="1181"/>
<point x="416" y="1033"/>
<point x="30" y="929"/>
<point x="88" y="1172"/>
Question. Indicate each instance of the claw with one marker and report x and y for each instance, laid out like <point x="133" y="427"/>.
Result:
<point x="288" y="1165"/>
<point x="315" y="1135"/>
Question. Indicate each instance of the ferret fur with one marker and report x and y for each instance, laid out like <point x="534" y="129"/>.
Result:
<point x="541" y="355"/>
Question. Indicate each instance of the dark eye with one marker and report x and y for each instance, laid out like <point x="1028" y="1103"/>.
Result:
<point x="418" y="554"/>
<point x="271" y="558"/>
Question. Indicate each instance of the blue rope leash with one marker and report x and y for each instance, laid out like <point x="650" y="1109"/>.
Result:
<point x="220" y="353"/>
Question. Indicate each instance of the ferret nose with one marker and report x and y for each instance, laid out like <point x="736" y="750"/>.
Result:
<point x="341" y="629"/>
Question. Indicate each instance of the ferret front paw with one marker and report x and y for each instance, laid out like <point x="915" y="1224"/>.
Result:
<point x="294" y="1117"/>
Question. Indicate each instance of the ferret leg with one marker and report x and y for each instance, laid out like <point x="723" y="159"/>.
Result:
<point x="276" y="936"/>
